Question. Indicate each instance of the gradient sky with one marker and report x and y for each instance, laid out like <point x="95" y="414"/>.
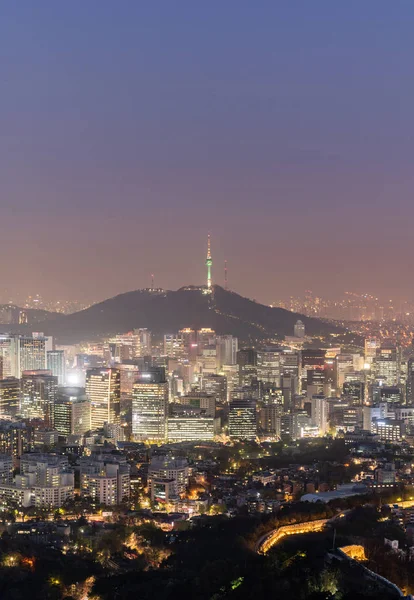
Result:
<point x="129" y="129"/>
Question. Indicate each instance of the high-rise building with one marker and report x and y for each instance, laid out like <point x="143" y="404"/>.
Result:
<point x="391" y="394"/>
<point x="269" y="365"/>
<point x="371" y="347"/>
<point x="344" y="363"/>
<point x="311" y="359"/>
<point x="299" y="329"/>
<point x="269" y="420"/>
<point x="20" y="353"/>
<point x="143" y="342"/>
<point x="174" y="345"/>
<point x="9" y="397"/>
<point x="30" y="353"/>
<point x="247" y="362"/>
<point x="15" y="438"/>
<point x="103" y="389"/>
<point x="319" y="413"/>
<point x="227" y="347"/>
<point x="242" y="419"/>
<point x="410" y="382"/>
<point x="56" y="363"/>
<point x="72" y="411"/>
<point x="150" y="406"/>
<point x="38" y="395"/>
<point x="355" y="391"/>
<point x="387" y="365"/>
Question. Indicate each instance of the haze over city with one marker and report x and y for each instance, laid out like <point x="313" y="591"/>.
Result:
<point x="206" y="300"/>
<point x="130" y="130"/>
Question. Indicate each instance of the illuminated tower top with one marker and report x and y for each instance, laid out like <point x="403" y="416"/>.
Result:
<point x="209" y="263"/>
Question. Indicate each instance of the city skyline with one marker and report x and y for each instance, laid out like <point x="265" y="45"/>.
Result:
<point x="280" y="134"/>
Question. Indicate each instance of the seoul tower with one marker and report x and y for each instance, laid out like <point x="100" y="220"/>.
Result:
<point x="209" y="262"/>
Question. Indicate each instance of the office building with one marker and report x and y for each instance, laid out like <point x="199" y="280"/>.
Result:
<point x="72" y="411"/>
<point x="344" y="363"/>
<point x="103" y="389"/>
<point x="354" y="391"/>
<point x="174" y="346"/>
<point x="38" y="395"/>
<point x="387" y="365"/>
<point x="311" y="359"/>
<point x="242" y="419"/>
<point x="143" y="343"/>
<point x="215" y="386"/>
<point x="227" y="348"/>
<point x="150" y="406"/>
<point x="9" y="397"/>
<point x="371" y="347"/>
<point x="56" y="364"/>
<point x="410" y="382"/>
<point x="247" y="362"/>
<point x="319" y="413"/>
<point x="269" y="365"/>
<point x="202" y="401"/>
<point x="391" y="394"/>
<point x="15" y="438"/>
<point x="389" y="430"/>
<point x="269" y="420"/>
<point x="30" y="353"/>
<point x="190" y="427"/>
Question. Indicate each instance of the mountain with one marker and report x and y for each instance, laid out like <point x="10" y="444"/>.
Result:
<point x="10" y="314"/>
<point x="225" y="312"/>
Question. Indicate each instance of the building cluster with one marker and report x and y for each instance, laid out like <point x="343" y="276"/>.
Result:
<point x="196" y="385"/>
<point x="182" y="387"/>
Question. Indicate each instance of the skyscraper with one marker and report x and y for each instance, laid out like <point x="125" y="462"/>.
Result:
<point x="103" y="388"/>
<point x="388" y="364"/>
<point x="227" y="347"/>
<point x="29" y="353"/>
<point x="9" y="397"/>
<point x="242" y="419"/>
<point x="150" y="406"/>
<point x="38" y="395"/>
<point x="56" y="364"/>
<point x="72" y="411"/>
<point x="143" y="344"/>
<point x="410" y="382"/>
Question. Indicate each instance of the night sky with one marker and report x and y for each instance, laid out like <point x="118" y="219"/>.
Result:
<point x="129" y="129"/>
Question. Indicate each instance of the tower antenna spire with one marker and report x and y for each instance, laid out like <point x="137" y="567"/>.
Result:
<point x="225" y="275"/>
<point x="209" y="263"/>
<point x="152" y="281"/>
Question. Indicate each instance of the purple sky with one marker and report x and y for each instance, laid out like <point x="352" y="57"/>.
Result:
<point x="129" y="129"/>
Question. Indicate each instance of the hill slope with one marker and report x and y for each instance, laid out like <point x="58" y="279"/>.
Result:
<point x="225" y="312"/>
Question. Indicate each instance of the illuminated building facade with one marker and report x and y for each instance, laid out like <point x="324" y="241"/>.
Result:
<point x="242" y="419"/>
<point x="56" y="364"/>
<point x="150" y="406"/>
<point x="38" y="395"/>
<point x="72" y="411"/>
<point x="9" y="397"/>
<point x="103" y="389"/>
